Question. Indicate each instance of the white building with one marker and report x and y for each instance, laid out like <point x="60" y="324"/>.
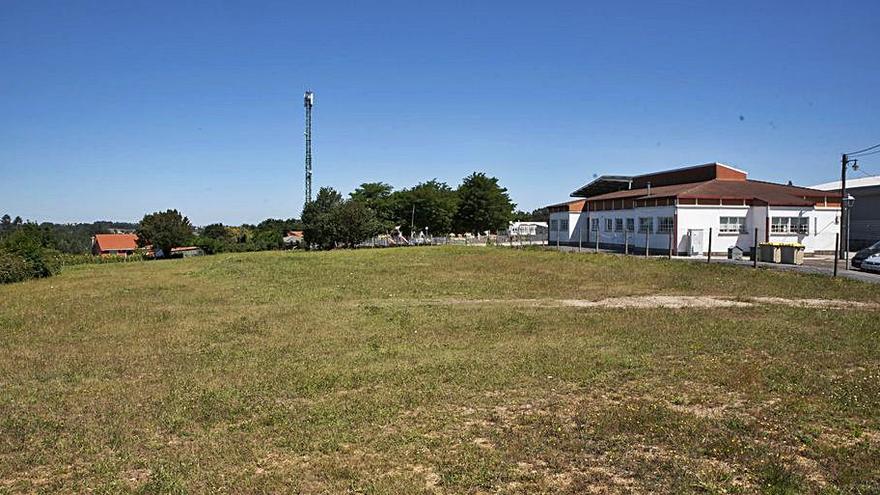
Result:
<point x="686" y="209"/>
<point x="527" y="229"/>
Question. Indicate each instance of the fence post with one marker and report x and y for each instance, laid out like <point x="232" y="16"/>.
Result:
<point x="597" y="240"/>
<point x="626" y="242"/>
<point x="709" y="254"/>
<point x="836" y="251"/>
<point x="670" y="244"/>
<point x="580" y="239"/>
<point x="755" y="250"/>
<point x="647" y="244"/>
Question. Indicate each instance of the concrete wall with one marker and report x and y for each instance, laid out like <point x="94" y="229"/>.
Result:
<point x="864" y="227"/>
<point x="570" y="235"/>
<point x="823" y="227"/>
<point x="706" y="217"/>
<point x="658" y="242"/>
<point x="824" y="224"/>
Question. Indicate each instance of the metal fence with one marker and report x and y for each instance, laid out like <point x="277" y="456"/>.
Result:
<point x="456" y="240"/>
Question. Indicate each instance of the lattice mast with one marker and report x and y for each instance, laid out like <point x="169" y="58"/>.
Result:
<point x="308" y="103"/>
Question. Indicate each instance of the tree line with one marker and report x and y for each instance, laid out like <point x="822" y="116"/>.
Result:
<point x="479" y="204"/>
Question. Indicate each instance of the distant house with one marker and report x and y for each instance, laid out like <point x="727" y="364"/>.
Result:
<point x="119" y="244"/>
<point x="293" y="238"/>
<point x="186" y="252"/>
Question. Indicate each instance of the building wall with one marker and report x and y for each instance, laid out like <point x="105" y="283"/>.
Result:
<point x="864" y="227"/>
<point x="821" y="237"/>
<point x="565" y="236"/>
<point x="696" y="217"/>
<point x="824" y="225"/>
<point x="655" y="240"/>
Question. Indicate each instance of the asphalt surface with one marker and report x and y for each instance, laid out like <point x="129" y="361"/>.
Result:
<point x="817" y="265"/>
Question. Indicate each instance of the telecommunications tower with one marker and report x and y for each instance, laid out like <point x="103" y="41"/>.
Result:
<point x="308" y="102"/>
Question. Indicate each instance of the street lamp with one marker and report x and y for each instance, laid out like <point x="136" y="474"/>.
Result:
<point x="848" y="203"/>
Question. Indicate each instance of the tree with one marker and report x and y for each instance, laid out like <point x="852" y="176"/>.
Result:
<point x="536" y="215"/>
<point x="378" y="197"/>
<point x="354" y="222"/>
<point x="319" y="227"/>
<point x="215" y="231"/>
<point x="164" y="231"/>
<point x="482" y="204"/>
<point x="430" y="205"/>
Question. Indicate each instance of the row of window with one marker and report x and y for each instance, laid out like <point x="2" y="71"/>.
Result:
<point x="778" y="225"/>
<point x="559" y="225"/>
<point x="646" y="225"/>
<point x="728" y="225"/>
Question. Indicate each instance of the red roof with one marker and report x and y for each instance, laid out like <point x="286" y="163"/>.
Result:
<point x="116" y="242"/>
<point x="774" y="194"/>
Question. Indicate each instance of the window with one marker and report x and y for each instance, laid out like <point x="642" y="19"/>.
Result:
<point x="665" y="225"/>
<point x="594" y="225"/>
<point x="733" y="225"/>
<point x="554" y="225"/>
<point x="790" y="225"/>
<point x="646" y="224"/>
<point x="630" y="224"/>
<point x="563" y="225"/>
<point x="618" y="225"/>
<point x="609" y="224"/>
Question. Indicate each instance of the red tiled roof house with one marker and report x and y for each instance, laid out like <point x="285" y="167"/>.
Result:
<point x="120" y="244"/>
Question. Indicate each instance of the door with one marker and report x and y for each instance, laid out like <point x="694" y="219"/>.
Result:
<point x="695" y="241"/>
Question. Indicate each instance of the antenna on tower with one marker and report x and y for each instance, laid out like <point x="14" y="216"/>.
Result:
<point x="308" y="102"/>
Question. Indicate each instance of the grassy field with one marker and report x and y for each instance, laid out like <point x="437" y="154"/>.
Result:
<point x="428" y="370"/>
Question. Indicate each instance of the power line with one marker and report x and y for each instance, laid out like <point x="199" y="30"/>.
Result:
<point x="863" y="154"/>
<point x="866" y="149"/>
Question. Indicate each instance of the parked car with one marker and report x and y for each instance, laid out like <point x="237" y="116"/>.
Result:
<point x="871" y="264"/>
<point x="865" y="254"/>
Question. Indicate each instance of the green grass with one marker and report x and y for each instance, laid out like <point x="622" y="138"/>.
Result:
<point x="334" y="372"/>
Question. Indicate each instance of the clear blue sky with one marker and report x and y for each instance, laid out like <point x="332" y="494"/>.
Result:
<point x="109" y="110"/>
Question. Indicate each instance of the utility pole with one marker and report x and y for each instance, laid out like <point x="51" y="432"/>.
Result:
<point x="844" y="245"/>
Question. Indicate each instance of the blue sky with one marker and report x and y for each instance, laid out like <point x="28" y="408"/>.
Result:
<point x="109" y="110"/>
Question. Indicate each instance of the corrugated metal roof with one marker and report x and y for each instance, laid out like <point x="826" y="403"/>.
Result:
<point x="850" y="183"/>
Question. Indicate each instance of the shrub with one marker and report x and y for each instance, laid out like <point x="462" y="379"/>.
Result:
<point x="65" y="259"/>
<point x="13" y="267"/>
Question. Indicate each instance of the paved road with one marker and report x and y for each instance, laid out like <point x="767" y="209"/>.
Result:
<point x="819" y="265"/>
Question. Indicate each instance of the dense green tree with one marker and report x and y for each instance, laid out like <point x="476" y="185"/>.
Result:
<point x="537" y="215"/>
<point x="354" y="222"/>
<point x="216" y="231"/>
<point x="483" y="205"/>
<point x="319" y="227"/>
<point x="378" y="197"/>
<point x="164" y="231"/>
<point x="430" y="205"/>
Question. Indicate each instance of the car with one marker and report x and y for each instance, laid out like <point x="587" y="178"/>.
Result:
<point x="865" y="254"/>
<point x="871" y="264"/>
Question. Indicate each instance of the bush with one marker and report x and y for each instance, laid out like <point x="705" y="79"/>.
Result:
<point x="65" y="259"/>
<point x="18" y="266"/>
<point x="13" y="268"/>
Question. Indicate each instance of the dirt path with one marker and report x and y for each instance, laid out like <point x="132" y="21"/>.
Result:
<point x="645" y="302"/>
